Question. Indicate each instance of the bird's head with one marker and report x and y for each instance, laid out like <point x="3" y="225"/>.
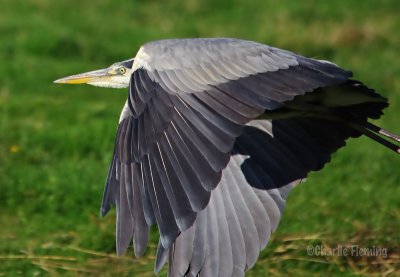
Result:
<point x="116" y="76"/>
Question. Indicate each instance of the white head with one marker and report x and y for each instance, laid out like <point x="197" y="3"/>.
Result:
<point x="117" y="75"/>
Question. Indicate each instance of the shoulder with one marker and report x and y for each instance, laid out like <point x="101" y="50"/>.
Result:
<point x="170" y="54"/>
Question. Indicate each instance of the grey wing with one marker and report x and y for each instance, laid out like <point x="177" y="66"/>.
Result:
<point x="268" y="160"/>
<point x="188" y="102"/>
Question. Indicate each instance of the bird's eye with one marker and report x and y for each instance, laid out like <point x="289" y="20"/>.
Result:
<point x="122" y="70"/>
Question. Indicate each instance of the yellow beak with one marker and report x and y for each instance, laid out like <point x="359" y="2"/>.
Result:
<point x="84" y="78"/>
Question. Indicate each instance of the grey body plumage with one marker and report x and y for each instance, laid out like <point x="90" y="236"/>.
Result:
<point x="214" y="135"/>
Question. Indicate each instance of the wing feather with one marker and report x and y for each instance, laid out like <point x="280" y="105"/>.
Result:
<point x="225" y="259"/>
<point x="177" y="198"/>
<point x="247" y="225"/>
<point x="181" y="86"/>
<point x="189" y="156"/>
<point x="182" y="253"/>
<point x="199" y="244"/>
<point x="203" y="110"/>
<point x="189" y="179"/>
<point x="140" y="224"/>
<point x="258" y="213"/>
<point x="211" y="263"/>
<point x="215" y="158"/>
<point x="124" y="218"/>
<point x="196" y="154"/>
<point x="227" y="112"/>
<point x="235" y="231"/>
<point x="204" y="121"/>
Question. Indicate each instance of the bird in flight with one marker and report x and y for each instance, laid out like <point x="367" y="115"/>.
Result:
<point x="214" y="135"/>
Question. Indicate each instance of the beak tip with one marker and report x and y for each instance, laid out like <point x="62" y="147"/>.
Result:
<point x="61" y="81"/>
<point x="83" y="78"/>
<point x="72" y="80"/>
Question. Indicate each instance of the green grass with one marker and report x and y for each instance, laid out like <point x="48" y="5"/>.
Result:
<point x="56" y="141"/>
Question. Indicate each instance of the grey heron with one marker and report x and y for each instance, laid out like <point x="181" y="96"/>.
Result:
<point x="213" y="136"/>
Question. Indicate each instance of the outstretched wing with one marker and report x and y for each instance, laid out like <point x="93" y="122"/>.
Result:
<point x="188" y="102"/>
<point x="268" y="159"/>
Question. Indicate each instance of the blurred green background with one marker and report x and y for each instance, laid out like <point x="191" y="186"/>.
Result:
<point x="56" y="141"/>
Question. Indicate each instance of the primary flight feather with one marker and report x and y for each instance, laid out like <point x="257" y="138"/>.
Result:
<point x="213" y="136"/>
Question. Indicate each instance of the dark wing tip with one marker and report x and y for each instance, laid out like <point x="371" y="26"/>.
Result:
<point x="104" y="210"/>
<point x="161" y="258"/>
